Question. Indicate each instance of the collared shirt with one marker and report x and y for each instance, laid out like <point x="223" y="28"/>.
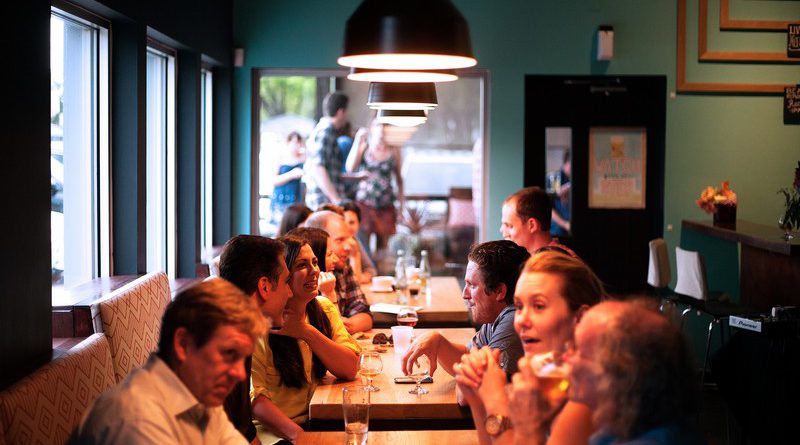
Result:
<point x="153" y="406"/>
<point x="501" y="335"/>
<point x="351" y="298"/>
<point x="323" y="151"/>
<point x="293" y="402"/>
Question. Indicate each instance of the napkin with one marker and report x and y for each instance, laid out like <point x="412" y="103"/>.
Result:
<point x="391" y="308"/>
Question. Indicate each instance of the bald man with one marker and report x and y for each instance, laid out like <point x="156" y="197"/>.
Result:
<point x="352" y="302"/>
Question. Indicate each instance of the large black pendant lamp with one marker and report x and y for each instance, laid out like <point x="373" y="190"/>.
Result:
<point x="402" y="96"/>
<point x="407" y="35"/>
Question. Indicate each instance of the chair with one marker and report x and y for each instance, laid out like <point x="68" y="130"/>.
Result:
<point x="47" y="405"/>
<point x="692" y="283"/>
<point x="131" y="319"/>
<point x="460" y="223"/>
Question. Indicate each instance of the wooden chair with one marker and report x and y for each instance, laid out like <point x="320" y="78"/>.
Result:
<point x="460" y="223"/>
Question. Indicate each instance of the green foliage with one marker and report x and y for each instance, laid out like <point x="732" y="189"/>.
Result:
<point x="791" y="217"/>
<point x="288" y="94"/>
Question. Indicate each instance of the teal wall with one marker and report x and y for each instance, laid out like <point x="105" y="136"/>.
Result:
<point x="710" y="138"/>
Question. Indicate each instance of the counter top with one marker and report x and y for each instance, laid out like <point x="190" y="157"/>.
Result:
<point x="762" y="236"/>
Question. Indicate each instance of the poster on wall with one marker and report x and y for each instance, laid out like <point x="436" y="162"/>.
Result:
<point x="617" y="167"/>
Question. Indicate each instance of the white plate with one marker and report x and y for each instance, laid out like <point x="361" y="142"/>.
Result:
<point x="381" y="289"/>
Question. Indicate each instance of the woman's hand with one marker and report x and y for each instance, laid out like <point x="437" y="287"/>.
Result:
<point x="529" y="409"/>
<point x="327" y="286"/>
<point x="294" y="324"/>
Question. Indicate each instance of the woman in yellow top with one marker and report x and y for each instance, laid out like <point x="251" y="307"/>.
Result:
<point x="313" y="340"/>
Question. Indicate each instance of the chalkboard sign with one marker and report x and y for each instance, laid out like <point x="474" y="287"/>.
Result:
<point x="793" y="40"/>
<point x="791" y="105"/>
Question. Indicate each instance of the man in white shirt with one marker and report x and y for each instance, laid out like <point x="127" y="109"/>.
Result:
<point x="207" y="332"/>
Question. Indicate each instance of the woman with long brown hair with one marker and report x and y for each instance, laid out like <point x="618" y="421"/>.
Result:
<point x="312" y="341"/>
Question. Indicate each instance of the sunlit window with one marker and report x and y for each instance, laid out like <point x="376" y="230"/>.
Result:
<point x="161" y="162"/>
<point x="80" y="228"/>
<point x="206" y="163"/>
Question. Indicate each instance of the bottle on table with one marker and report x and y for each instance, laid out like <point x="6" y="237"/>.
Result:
<point x="424" y="274"/>
<point x="400" y="278"/>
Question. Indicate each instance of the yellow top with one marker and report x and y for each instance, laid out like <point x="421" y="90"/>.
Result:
<point x="266" y="379"/>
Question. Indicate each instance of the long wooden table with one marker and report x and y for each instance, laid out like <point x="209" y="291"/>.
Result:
<point x="462" y="437"/>
<point x="393" y="402"/>
<point x="444" y="307"/>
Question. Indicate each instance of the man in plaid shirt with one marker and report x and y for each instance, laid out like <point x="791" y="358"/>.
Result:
<point x="324" y="164"/>
<point x="352" y="304"/>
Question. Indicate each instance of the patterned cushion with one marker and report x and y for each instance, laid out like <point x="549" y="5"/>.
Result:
<point x="131" y="319"/>
<point x="44" y="407"/>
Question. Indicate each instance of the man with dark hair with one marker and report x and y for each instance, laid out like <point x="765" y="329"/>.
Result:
<point x="526" y="221"/>
<point x="490" y="280"/>
<point x="255" y="264"/>
<point x="207" y="332"/>
<point x="324" y="164"/>
<point x="352" y="303"/>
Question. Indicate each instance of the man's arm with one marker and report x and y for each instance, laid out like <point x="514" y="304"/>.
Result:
<point x="439" y="349"/>
<point x="324" y="182"/>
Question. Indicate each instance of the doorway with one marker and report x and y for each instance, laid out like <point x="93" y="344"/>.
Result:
<point x="609" y="132"/>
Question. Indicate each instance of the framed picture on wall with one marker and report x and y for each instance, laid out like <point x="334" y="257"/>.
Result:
<point x="617" y="167"/>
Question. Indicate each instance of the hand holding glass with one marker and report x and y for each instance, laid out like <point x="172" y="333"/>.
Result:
<point x="371" y="365"/>
<point x="420" y="369"/>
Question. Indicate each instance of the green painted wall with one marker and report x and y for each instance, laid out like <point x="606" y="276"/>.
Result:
<point x="709" y="137"/>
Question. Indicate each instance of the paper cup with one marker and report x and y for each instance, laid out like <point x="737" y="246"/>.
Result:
<point x="401" y="337"/>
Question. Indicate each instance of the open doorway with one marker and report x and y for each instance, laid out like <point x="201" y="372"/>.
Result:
<point x="443" y="160"/>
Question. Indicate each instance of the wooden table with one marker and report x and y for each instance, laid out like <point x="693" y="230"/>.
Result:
<point x="443" y="308"/>
<point x="393" y="402"/>
<point x="769" y="266"/>
<point x="463" y="437"/>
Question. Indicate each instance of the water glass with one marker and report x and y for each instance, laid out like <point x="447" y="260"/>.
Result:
<point x="355" y="406"/>
<point x="401" y="337"/>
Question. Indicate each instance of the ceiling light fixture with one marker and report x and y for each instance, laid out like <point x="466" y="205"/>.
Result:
<point x="402" y="118"/>
<point x="402" y="96"/>
<point x="407" y="35"/>
<point x="369" y="75"/>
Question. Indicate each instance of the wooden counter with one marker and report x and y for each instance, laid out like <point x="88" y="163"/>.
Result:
<point x="769" y="265"/>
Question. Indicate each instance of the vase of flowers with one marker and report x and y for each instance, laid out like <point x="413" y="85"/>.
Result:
<point x="791" y="216"/>
<point x="721" y="203"/>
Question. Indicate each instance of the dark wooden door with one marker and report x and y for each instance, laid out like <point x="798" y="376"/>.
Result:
<point x="612" y="241"/>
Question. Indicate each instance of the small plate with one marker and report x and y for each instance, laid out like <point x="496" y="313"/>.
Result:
<point x="381" y="289"/>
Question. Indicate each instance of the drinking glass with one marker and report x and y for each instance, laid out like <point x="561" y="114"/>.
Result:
<point x="407" y="316"/>
<point x="355" y="406"/>
<point x="370" y="366"/>
<point x="419" y="371"/>
<point x="552" y="372"/>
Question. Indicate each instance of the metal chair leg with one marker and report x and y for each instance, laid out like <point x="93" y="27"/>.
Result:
<point x="708" y="348"/>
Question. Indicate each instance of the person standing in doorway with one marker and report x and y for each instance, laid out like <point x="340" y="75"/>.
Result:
<point x="324" y="164"/>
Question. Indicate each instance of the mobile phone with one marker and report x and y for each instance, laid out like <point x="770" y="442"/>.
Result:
<point x="407" y="379"/>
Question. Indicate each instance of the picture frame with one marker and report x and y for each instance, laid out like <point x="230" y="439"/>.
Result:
<point x="617" y="167"/>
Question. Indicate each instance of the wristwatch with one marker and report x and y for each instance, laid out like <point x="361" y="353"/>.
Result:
<point x="496" y="424"/>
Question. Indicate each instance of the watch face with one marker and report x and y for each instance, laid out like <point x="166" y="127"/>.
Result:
<point x="492" y="424"/>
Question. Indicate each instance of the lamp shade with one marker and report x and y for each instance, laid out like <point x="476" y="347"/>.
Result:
<point x="402" y="118"/>
<point x="402" y="96"/>
<point x="369" y="75"/>
<point x="407" y="35"/>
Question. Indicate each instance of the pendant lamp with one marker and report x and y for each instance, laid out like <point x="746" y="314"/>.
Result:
<point x="402" y="96"/>
<point x="407" y="35"/>
<point x="402" y="118"/>
<point x="369" y="75"/>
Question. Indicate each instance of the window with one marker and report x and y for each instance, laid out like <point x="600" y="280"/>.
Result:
<point x="79" y="165"/>
<point x="161" y="227"/>
<point x="206" y="163"/>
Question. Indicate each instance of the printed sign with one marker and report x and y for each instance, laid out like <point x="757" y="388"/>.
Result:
<point x="617" y="167"/>
<point x="791" y="105"/>
<point x="793" y="40"/>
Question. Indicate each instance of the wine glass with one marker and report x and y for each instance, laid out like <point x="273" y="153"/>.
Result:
<point x="407" y="316"/>
<point x="420" y="369"/>
<point x="370" y="366"/>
